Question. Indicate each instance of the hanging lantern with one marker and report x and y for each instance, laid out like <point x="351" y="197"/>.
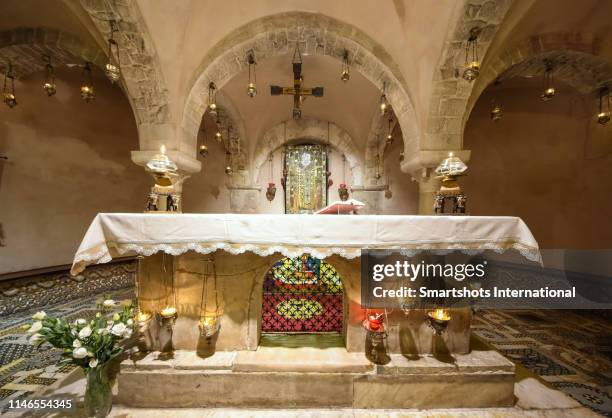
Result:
<point x="87" y="88"/>
<point x="212" y="98"/>
<point x="549" y="88"/>
<point x="496" y="112"/>
<point x="9" y="95"/>
<point x="401" y="156"/>
<point x="603" y="116"/>
<point x="346" y="74"/>
<point x="389" y="139"/>
<point x="383" y="106"/>
<point x="472" y="65"/>
<point x="112" y="69"/>
<point x="252" y="87"/>
<point x="228" y="164"/>
<point x="203" y="149"/>
<point x="377" y="175"/>
<point x="209" y="323"/>
<point x="271" y="190"/>
<point x="49" y="85"/>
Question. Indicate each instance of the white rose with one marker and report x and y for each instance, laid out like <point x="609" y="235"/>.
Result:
<point x="84" y="333"/>
<point x="127" y="333"/>
<point x="118" y="329"/>
<point x="39" y="316"/>
<point x="36" y="326"/>
<point x="81" y="321"/>
<point x="130" y="321"/>
<point x="93" y="363"/>
<point x="108" y="303"/>
<point x="80" y="352"/>
<point x="76" y="343"/>
<point x="35" y="338"/>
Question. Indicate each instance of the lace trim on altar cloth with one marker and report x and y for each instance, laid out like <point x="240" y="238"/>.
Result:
<point x="104" y="253"/>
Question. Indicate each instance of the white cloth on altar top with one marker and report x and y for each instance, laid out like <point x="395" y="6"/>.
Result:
<point x="120" y="234"/>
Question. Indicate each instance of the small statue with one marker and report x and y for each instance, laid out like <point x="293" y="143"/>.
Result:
<point x="152" y="202"/>
<point x="460" y="202"/>
<point x="439" y="204"/>
<point x="171" y="205"/>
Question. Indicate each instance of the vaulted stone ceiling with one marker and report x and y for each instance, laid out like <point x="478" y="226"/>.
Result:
<point x="416" y="44"/>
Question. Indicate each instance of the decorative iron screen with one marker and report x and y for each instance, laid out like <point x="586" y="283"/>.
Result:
<point x="302" y="294"/>
<point x="306" y="189"/>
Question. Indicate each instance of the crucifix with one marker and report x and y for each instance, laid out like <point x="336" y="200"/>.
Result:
<point x="297" y="91"/>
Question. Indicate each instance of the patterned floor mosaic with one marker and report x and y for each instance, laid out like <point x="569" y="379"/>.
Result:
<point x="25" y="369"/>
<point x="572" y="351"/>
<point x="568" y="349"/>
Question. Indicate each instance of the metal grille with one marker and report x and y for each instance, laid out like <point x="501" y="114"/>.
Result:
<point x="302" y="294"/>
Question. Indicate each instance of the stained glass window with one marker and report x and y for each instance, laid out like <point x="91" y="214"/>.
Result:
<point x="306" y="190"/>
<point x="302" y="294"/>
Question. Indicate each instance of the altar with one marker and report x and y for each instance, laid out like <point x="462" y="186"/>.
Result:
<point x="270" y="348"/>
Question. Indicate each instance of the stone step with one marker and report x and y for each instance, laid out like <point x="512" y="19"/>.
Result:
<point x="310" y="378"/>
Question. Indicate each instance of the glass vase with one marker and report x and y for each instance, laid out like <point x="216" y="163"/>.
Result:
<point x="98" y="395"/>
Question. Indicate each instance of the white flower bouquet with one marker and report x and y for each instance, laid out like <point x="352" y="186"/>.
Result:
<point x="88" y="344"/>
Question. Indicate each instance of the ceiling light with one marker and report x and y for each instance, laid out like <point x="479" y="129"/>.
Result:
<point x="49" y="85"/>
<point x="346" y="74"/>
<point x="9" y="95"/>
<point x="87" y="88"/>
<point x="472" y="64"/>
<point x="603" y="116"/>
<point x="252" y="87"/>
<point x="549" y="88"/>
<point x="212" y="98"/>
<point x="112" y="68"/>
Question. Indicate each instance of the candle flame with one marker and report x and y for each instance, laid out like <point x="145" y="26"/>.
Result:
<point x="142" y="316"/>
<point x="168" y="311"/>
<point x="162" y="149"/>
<point x="450" y="154"/>
<point x="441" y="314"/>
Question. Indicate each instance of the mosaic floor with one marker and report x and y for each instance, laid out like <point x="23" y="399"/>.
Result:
<point x="571" y="351"/>
<point x="25" y="369"/>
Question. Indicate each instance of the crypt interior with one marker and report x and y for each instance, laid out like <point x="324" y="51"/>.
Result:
<point x="284" y="108"/>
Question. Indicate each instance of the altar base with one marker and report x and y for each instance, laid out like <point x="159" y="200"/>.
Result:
<point x="315" y="378"/>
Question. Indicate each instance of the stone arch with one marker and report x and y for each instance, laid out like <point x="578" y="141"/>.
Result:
<point x="314" y="129"/>
<point x="25" y="47"/>
<point x="321" y="35"/>
<point x="450" y="92"/>
<point x="578" y="54"/>
<point x="139" y="63"/>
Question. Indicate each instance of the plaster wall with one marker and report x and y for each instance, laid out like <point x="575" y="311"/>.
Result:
<point x="67" y="161"/>
<point x="547" y="162"/>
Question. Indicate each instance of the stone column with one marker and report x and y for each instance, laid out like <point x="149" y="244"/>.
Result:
<point x="428" y="186"/>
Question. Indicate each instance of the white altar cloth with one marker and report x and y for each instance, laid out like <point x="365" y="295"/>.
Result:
<point x="118" y="234"/>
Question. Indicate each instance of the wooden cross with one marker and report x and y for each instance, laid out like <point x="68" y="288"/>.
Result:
<point x="297" y="91"/>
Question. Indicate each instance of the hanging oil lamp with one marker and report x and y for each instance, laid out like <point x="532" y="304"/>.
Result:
<point x="438" y="320"/>
<point x="603" y="116"/>
<point x="112" y="69"/>
<point x="203" y="148"/>
<point x="49" y="84"/>
<point x="346" y="74"/>
<point x="9" y="95"/>
<point x="389" y="139"/>
<point x="343" y="191"/>
<point x="87" y="88"/>
<point x="549" y="88"/>
<point x="209" y="322"/>
<point x="212" y="98"/>
<point x="377" y="175"/>
<point x="383" y="105"/>
<point x="252" y="87"/>
<point x="228" y="163"/>
<point x="496" y="112"/>
<point x="271" y="190"/>
<point x="472" y="64"/>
